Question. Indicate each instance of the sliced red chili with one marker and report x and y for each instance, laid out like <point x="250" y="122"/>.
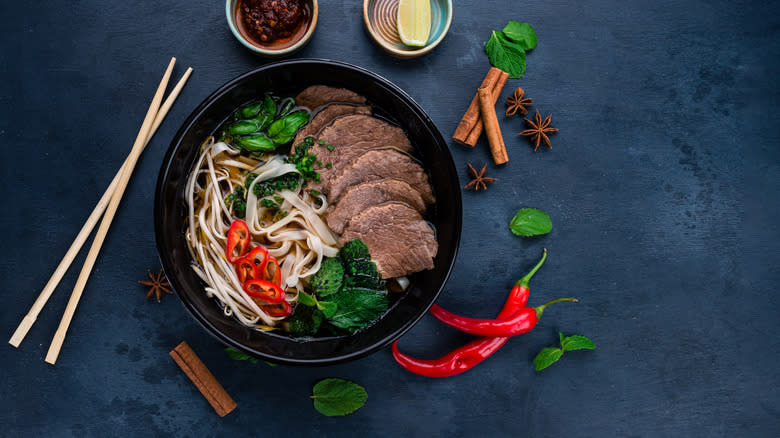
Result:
<point x="259" y="256"/>
<point x="272" y="272"/>
<point x="237" y="240"/>
<point x="281" y="309"/>
<point x="246" y="270"/>
<point x="264" y="290"/>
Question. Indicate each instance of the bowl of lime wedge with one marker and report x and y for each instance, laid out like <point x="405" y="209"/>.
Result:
<point x="407" y="28"/>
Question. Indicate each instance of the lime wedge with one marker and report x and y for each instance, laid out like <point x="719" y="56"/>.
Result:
<point x="414" y="22"/>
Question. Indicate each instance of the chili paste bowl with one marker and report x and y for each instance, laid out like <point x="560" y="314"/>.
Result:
<point x="299" y="40"/>
<point x="287" y="78"/>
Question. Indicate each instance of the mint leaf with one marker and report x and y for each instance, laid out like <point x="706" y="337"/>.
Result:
<point x="530" y="222"/>
<point x="547" y="357"/>
<point x="306" y="299"/>
<point x="237" y="355"/>
<point x="357" y="307"/>
<point x="270" y="364"/>
<point x="521" y="33"/>
<point x="328" y="308"/>
<point x="505" y="55"/>
<point x="577" y="342"/>
<point x="336" y="397"/>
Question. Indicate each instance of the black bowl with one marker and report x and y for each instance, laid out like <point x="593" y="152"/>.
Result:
<point x="288" y="78"/>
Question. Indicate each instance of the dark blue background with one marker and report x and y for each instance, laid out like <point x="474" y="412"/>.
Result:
<point x="663" y="187"/>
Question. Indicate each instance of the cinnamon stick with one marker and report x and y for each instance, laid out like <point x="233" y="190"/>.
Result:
<point x="487" y="107"/>
<point x="471" y="117"/>
<point x="479" y="126"/>
<point x="206" y="383"/>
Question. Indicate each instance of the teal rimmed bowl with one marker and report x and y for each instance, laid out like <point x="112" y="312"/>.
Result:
<point x="380" y="19"/>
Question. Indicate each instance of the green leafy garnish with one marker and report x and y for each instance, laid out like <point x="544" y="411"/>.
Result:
<point x="520" y="33"/>
<point x="530" y="222"/>
<point x="358" y="307"/>
<point x="506" y="48"/>
<point x="283" y="130"/>
<point x="327" y="281"/>
<point x="505" y="55"/>
<point x="257" y="142"/>
<point x="336" y="397"/>
<point x="328" y="308"/>
<point x="237" y="355"/>
<point x="576" y="342"/>
<point x="304" y="160"/>
<point x="550" y="355"/>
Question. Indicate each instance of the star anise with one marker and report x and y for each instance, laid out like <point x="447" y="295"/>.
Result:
<point x="517" y="103"/>
<point x="158" y="284"/>
<point x="539" y="130"/>
<point x="478" y="179"/>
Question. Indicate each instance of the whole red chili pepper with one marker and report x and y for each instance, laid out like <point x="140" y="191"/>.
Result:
<point x="466" y="357"/>
<point x="522" y="321"/>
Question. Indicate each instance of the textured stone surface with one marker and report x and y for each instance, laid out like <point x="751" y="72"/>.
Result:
<point x="663" y="187"/>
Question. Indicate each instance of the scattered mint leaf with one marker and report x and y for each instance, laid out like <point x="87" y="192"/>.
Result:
<point x="306" y="299"/>
<point x="547" y="357"/>
<point x="237" y="355"/>
<point x="328" y="308"/>
<point x="577" y="342"/>
<point x="337" y="397"/>
<point x="521" y="33"/>
<point x="530" y="222"/>
<point x="270" y="364"/>
<point x="505" y="55"/>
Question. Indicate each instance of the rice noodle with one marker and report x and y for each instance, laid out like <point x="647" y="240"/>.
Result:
<point x="299" y="240"/>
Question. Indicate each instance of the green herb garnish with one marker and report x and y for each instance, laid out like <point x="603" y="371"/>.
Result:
<point x="506" y="48"/>
<point x="237" y="355"/>
<point x="530" y="222"/>
<point x="330" y="147"/>
<point x="237" y="200"/>
<point x="336" y="397"/>
<point x="283" y="130"/>
<point x="550" y="355"/>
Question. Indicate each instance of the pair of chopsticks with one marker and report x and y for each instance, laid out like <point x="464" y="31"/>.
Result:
<point x="108" y="204"/>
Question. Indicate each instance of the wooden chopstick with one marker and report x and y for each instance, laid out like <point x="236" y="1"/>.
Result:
<point x="89" y="225"/>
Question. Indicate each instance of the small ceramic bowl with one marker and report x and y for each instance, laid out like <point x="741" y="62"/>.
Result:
<point x="381" y="17"/>
<point x="230" y="11"/>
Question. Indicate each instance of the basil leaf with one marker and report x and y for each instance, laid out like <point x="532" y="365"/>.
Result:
<point x="269" y="106"/>
<point x="283" y="130"/>
<point x="547" y="357"/>
<point x="521" y="33"/>
<point x="328" y="308"/>
<point x="577" y="342"/>
<point x="306" y="299"/>
<point x="242" y="127"/>
<point x="248" y="111"/>
<point x="530" y="222"/>
<point x="257" y="142"/>
<point x="286" y="106"/>
<point x="237" y="355"/>
<point x="505" y="55"/>
<point x="336" y="397"/>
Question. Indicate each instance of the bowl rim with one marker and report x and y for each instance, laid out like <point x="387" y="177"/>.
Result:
<point x="394" y="51"/>
<point x="164" y="252"/>
<point x="271" y="52"/>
